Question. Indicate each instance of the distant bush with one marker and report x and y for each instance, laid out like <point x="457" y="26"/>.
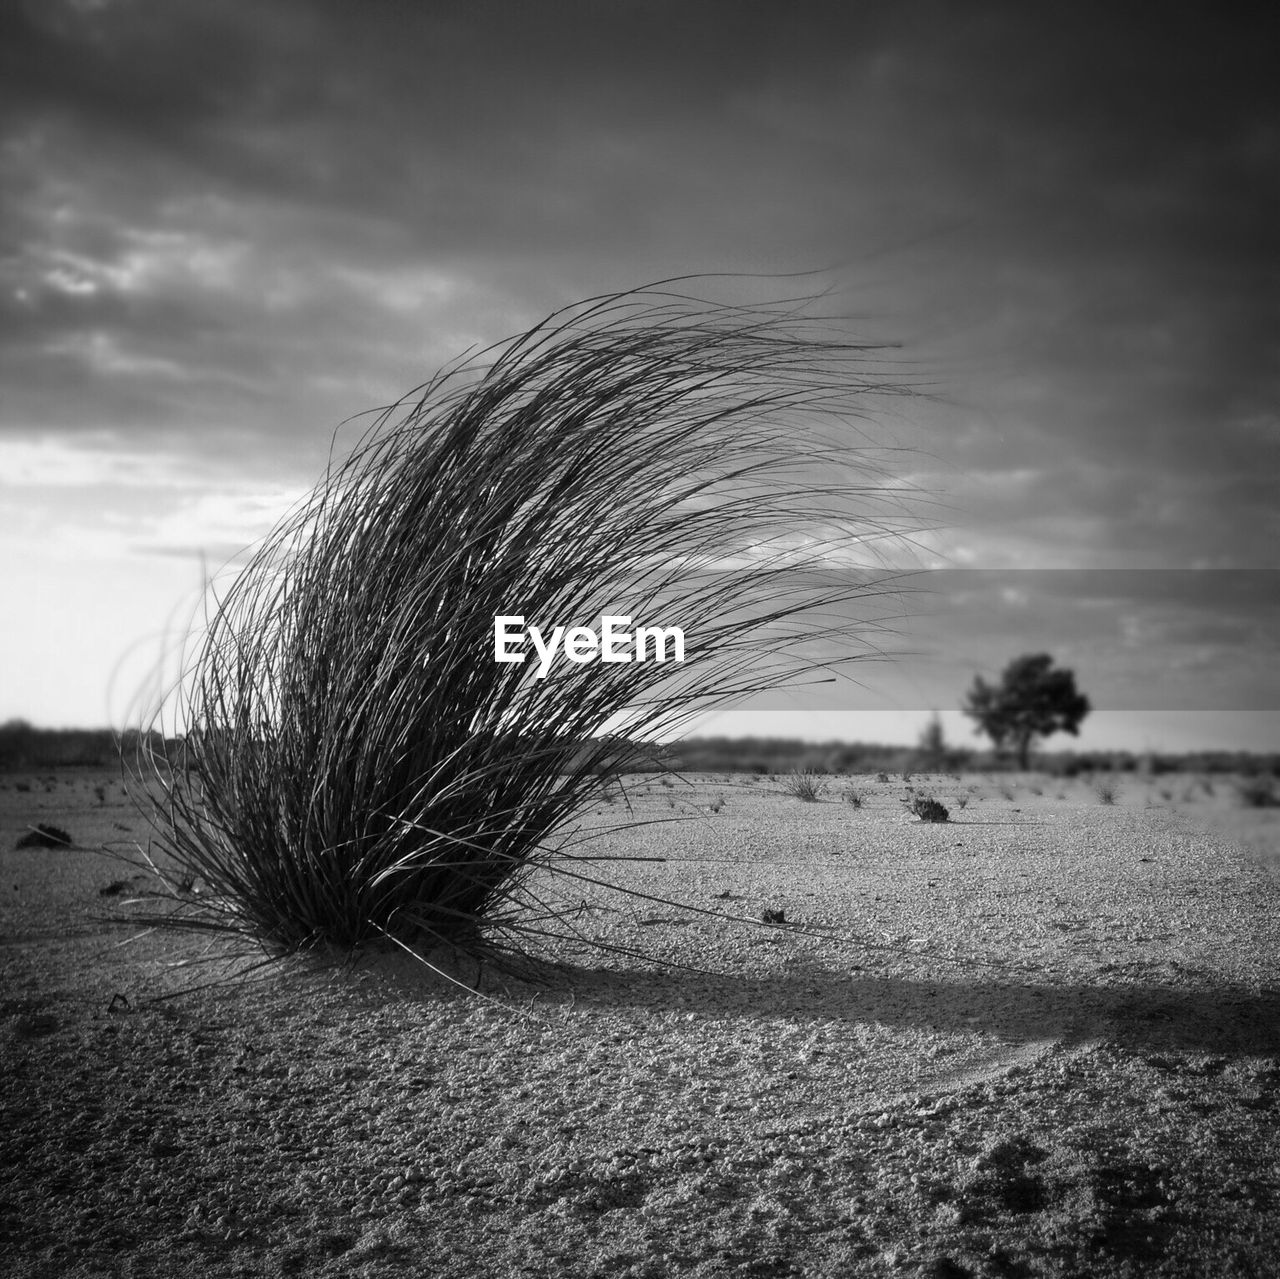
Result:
<point x="45" y="837"/>
<point x="1106" y="789"/>
<point x="1258" y="792"/>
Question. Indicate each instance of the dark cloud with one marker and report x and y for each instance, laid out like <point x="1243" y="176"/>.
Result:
<point x="226" y="227"/>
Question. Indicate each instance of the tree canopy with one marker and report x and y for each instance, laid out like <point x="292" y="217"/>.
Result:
<point x="1033" y="699"/>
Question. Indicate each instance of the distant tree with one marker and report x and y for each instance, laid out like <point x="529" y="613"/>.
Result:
<point x="932" y="751"/>
<point x="1033" y="699"/>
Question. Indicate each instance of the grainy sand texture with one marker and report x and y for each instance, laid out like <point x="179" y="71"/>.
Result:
<point x="1042" y="1038"/>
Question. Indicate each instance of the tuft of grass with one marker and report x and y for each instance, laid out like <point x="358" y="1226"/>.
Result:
<point x="1106" y="789"/>
<point x="852" y="796"/>
<point x="356" y="767"/>
<point x="962" y="801"/>
<point x="808" y="787"/>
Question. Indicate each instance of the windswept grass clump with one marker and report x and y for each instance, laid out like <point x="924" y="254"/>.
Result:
<point x="360" y="769"/>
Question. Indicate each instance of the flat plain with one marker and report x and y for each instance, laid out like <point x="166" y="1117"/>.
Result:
<point x="1041" y="1038"/>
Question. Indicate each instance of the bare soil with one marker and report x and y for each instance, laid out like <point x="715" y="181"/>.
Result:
<point x="1039" y="1039"/>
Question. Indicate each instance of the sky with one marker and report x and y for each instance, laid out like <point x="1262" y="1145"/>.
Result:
<point x="225" y="229"/>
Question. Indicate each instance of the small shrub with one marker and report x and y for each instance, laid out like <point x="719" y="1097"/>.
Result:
<point x="853" y="797"/>
<point x="1258" y="792"/>
<point x="962" y="801"/>
<point x="928" y="809"/>
<point x="716" y="804"/>
<point x="805" y="786"/>
<point x="774" y="917"/>
<point x="45" y="837"/>
<point x="882" y="777"/>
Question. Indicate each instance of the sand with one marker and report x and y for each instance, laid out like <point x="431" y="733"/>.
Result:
<point x="1041" y="1038"/>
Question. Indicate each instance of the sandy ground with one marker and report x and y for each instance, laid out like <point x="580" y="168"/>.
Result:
<point x="1040" y="1039"/>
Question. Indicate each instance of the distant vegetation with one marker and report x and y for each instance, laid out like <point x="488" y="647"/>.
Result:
<point x="23" y="746"/>
<point x="780" y="755"/>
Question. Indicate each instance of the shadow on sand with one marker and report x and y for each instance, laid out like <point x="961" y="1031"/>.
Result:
<point x="1199" y="1013"/>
